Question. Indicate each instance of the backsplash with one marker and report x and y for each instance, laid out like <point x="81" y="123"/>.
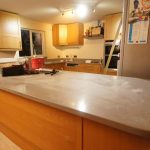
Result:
<point x="8" y="57"/>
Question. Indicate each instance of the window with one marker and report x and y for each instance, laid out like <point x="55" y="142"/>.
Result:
<point x="32" y="43"/>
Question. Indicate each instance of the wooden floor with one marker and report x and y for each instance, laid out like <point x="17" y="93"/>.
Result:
<point x="6" y="144"/>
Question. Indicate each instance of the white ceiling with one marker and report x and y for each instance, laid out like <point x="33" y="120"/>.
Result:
<point x="49" y="10"/>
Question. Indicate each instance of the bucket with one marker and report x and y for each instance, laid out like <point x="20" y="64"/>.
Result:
<point x="37" y="63"/>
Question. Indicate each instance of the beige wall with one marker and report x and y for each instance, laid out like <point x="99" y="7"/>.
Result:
<point x="92" y="49"/>
<point x="50" y="51"/>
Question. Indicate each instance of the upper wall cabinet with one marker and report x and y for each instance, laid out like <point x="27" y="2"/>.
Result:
<point x="68" y="34"/>
<point x="10" y="36"/>
<point x="111" y="26"/>
<point x="60" y="34"/>
<point x="75" y="34"/>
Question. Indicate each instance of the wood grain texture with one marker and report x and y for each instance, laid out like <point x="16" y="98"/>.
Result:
<point x="34" y="126"/>
<point x="110" y="72"/>
<point x="6" y="144"/>
<point x="111" y="26"/>
<point x="57" y="66"/>
<point x="88" y="68"/>
<point x="10" y="36"/>
<point x="100" y="137"/>
<point x="75" y="34"/>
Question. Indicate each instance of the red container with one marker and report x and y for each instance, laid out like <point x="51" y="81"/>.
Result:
<point x="37" y="63"/>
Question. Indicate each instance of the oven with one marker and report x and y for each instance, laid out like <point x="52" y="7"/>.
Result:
<point x="115" y="56"/>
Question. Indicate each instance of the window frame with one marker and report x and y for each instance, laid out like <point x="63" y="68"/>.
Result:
<point x="31" y="31"/>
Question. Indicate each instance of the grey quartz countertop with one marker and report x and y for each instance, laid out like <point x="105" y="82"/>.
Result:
<point x="119" y="102"/>
<point x="54" y="62"/>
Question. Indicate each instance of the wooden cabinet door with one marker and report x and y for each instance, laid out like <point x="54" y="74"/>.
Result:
<point x="111" y="26"/>
<point x="108" y="28"/>
<point x="71" y="34"/>
<point x="63" y="30"/>
<point x="59" y="32"/>
<point x="10" y="35"/>
<point x="55" y="33"/>
<point x="115" y="24"/>
<point x="34" y="126"/>
<point x="90" y="68"/>
<point x="56" y="66"/>
<point x="100" y="137"/>
<point x="75" y="34"/>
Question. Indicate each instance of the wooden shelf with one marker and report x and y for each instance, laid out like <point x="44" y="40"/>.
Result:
<point x="94" y="37"/>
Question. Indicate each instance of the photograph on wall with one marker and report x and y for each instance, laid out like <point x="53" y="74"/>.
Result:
<point x="139" y="19"/>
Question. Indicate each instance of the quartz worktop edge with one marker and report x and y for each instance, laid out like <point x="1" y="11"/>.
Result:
<point x="127" y="127"/>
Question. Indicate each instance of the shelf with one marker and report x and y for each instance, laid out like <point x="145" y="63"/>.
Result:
<point x="94" y="37"/>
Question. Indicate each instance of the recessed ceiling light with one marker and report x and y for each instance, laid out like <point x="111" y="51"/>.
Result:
<point x="81" y="11"/>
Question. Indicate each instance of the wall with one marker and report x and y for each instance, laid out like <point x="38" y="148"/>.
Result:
<point x="135" y="59"/>
<point x="92" y="49"/>
<point x="50" y="51"/>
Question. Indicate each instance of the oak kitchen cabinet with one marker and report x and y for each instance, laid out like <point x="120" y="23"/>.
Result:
<point x="68" y="34"/>
<point x="101" y="137"/>
<point x="57" y="66"/>
<point x="75" y="34"/>
<point x="59" y="34"/>
<point x="111" y="26"/>
<point x="10" y="35"/>
<point x="38" y="127"/>
<point x="51" y="116"/>
<point x="88" y="68"/>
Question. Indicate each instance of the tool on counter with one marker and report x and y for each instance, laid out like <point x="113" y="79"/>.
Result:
<point x="53" y="72"/>
<point x="47" y="71"/>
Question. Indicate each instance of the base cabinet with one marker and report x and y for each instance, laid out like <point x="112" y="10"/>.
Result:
<point x="100" y="137"/>
<point x="110" y="72"/>
<point x="57" y="66"/>
<point x="87" y="68"/>
<point x="34" y="126"/>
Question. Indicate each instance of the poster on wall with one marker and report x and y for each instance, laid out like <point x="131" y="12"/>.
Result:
<point x="139" y="19"/>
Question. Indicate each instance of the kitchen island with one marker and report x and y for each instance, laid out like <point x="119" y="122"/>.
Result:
<point x="76" y="111"/>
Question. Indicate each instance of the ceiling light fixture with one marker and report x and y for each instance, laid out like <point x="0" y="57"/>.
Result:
<point x="81" y="11"/>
